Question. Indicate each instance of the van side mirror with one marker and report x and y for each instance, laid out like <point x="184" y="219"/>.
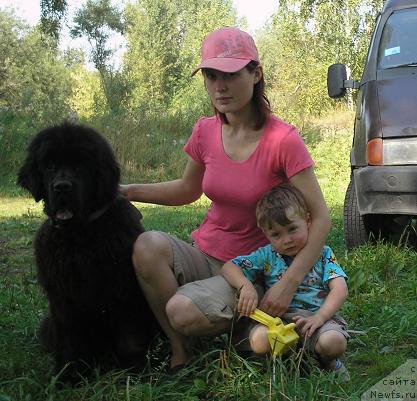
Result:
<point x="337" y="81"/>
<point x="336" y="76"/>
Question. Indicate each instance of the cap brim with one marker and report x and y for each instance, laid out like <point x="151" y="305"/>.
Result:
<point x="223" y="64"/>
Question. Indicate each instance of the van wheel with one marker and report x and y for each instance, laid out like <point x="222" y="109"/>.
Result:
<point x="354" y="227"/>
<point x="358" y="230"/>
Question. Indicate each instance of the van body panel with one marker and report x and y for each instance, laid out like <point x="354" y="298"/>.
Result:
<point x="397" y="98"/>
<point x="386" y="189"/>
<point x="367" y="122"/>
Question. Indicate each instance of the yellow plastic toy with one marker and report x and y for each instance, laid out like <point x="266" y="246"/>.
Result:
<point x="281" y="337"/>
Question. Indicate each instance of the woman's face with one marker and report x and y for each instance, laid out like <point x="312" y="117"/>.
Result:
<point x="231" y="92"/>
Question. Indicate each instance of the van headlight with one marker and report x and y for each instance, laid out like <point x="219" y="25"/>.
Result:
<point x="398" y="151"/>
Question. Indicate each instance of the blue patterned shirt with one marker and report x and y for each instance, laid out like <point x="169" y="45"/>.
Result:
<point x="311" y="293"/>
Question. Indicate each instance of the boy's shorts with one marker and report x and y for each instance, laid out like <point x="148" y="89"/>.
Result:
<point x="336" y="323"/>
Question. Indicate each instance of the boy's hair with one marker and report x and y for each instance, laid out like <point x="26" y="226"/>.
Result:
<point x="272" y="207"/>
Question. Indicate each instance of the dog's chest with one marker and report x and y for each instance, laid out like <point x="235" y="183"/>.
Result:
<point x="85" y="270"/>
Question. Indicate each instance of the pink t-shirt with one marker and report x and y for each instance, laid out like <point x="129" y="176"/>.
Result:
<point x="234" y="187"/>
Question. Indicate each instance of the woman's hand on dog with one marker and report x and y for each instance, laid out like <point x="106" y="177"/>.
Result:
<point x="125" y="191"/>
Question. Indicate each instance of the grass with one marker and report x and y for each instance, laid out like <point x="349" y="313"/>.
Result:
<point x="380" y="309"/>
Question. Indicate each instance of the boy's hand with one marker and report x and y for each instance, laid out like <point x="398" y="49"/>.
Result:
<point x="308" y="325"/>
<point x="248" y="299"/>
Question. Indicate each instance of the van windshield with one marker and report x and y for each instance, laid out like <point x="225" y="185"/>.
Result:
<point x="398" y="45"/>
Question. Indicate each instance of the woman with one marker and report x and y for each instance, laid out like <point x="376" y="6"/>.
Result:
<point x="234" y="158"/>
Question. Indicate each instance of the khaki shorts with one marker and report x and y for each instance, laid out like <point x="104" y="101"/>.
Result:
<point x="336" y="323"/>
<point x="198" y="277"/>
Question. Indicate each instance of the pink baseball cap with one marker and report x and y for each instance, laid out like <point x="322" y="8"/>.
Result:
<point x="228" y="50"/>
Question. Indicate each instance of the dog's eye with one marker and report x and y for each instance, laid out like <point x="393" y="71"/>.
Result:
<point x="50" y="166"/>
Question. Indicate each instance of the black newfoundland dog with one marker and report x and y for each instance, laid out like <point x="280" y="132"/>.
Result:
<point x="98" y="315"/>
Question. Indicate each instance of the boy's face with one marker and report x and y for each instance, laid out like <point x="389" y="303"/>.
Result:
<point x="289" y="239"/>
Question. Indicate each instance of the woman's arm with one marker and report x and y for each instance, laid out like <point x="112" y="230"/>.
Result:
<point x="185" y="190"/>
<point x="276" y="300"/>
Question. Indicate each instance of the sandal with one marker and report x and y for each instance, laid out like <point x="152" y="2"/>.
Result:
<point x="176" y="369"/>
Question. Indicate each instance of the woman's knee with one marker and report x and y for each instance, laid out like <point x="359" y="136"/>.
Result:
<point x="182" y="313"/>
<point x="150" y="250"/>
<point x="331" y="343"/>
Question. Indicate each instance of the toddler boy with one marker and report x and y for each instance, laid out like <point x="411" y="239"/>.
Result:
<point x="283" y="216"/>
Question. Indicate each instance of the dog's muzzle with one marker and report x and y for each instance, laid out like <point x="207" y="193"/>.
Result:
<point x="62" y="186"/>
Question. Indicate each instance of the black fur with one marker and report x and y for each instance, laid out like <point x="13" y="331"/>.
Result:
<point x="98" y="315"/>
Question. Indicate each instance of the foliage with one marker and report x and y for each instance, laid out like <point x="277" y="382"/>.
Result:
<point x="304" y="38"/>
<point x="87" y="99"/>
<point x="148" y="146"/>
<point x="52" y="13"/>
<point x="15" y="131"/>
<point x="163" y="39"/>
<point x="296" y="92"/>
<point x="94" y="20"/>
<point x="34" y="80"/>
<point x="345" y="38"/>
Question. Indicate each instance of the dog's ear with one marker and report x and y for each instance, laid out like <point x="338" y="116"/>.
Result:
<point x="29" y="176"/>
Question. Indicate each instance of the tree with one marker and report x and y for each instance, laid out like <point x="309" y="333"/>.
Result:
<point x="10" y="30"/>
<point x="96" y="20"/>
<point x="292" y="71"/>
<point x="52" y="14"/>
<point x="33" y="80"/>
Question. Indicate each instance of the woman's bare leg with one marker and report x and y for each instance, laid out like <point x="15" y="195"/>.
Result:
<point x="185" y="317"/>
<point x="153" y="262"/>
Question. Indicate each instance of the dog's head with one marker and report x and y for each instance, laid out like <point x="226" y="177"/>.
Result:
<point x="73" y="169"/>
